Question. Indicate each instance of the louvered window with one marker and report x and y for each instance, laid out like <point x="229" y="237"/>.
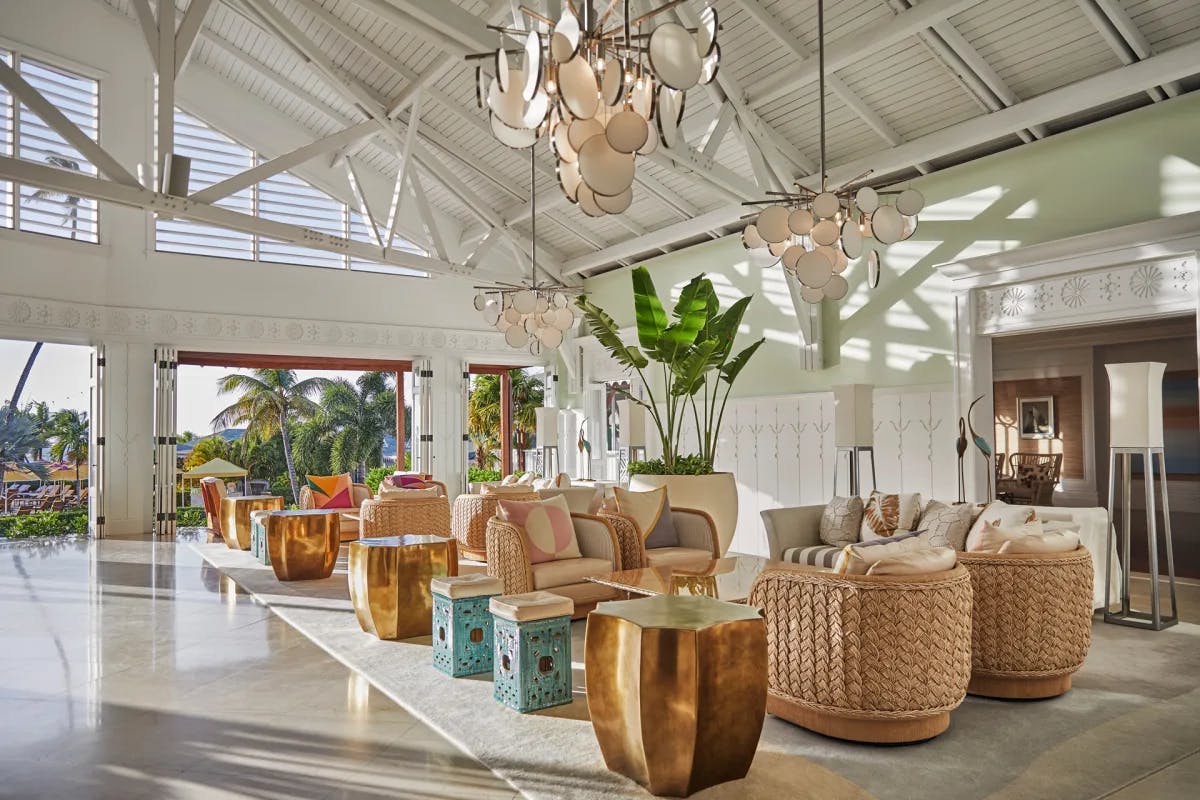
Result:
<point x="24" y="134"/>
<point x="282" y="197"/>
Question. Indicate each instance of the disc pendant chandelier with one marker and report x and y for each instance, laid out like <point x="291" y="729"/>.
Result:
<point x="534" y="315"/>
<point x="599" y="87"/>
<point x="816" y="233"/>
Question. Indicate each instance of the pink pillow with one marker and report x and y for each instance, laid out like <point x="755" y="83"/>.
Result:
<point x="406" y="480"/>
<point x="549" y="532"/>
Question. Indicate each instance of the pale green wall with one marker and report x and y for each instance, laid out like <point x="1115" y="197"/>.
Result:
<point x="1136" y="167"/>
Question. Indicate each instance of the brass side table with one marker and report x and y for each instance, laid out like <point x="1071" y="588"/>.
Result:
<point x="303" y="545"/>
<point x="235" y="516"/>
<point x="389" y="582"/>
<point x="677" y="689"/>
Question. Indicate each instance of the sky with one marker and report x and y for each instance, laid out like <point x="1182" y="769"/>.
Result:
<point x="60" y="377"/>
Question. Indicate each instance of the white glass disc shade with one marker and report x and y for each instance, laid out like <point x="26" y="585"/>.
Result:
<point x="826" y="204"/>
<point x="873" y="269"/>
<point x="887" y="225"/>
<point x="830" y="253"/>
<point x="550" y="337"/>
<point x="627" y="131"/>
<point x="587" y="201"/>
<point x="800" y="221"/>
<point x="867" y="199"/>
<point x="560" y="300"/>
<point x="612" y="83"/>
<point x="617" y="204"/>
<point x="503" y="78"/>
<point x="777" y="249"/>
<point x="565" y="39"/>
<point x="569" y="180"/>
<point x="536" y="110"/>
<point x="772" y="224"/>
<point x="670" y="111"/>
<point x="480" y="301"/>
<point x="491" y="312"/>
<point x="750" y="237"/>
<point x="516" y="138"/>
<point x="837" y="288"/>
<point x="512" y="315"/>
<point x="852" y="239"/>
<point x="825" y="232"/>
<point x="481" y="87"/>
<point x="516" y="336"/>
<point x="910" y="202"/>
<point x="535" y="348"/>
<point x="673" y="56"/>
<point x="706" y="31"/>
<point x="578" y="88"/>
<point x="531" y="325"/>
<point x="604" y="169"/>
<point x="563" y="319"/>
<point x="533" y="65"/>
<point x="502" y="324"/>
<point x="524" y="301"/>
<point x="642" y="99"/>
<point x="792" y="255"/>
<point x="580" y="130"/>
<point x="813" y="269"/>
<point x="811" y="294"/>
<point x="711" y="65"/>
<point x="542" y="305"/>
<point x="509" y="106"/>
<point x="910" y="227"/>
<point x="650" y="146"/>
<point x="561" y="140"/>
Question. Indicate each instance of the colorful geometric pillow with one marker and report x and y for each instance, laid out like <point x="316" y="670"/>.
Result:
<point x="886" y="514"/>
<point x="549" y="532"/>
<point x="331" y="491"/>
<point x="651" y="511"/>
<point x="407" y="480"/>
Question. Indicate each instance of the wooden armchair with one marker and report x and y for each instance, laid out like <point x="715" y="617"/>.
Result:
<point x="1033" y="478"/>
<point x="212" y="491"/>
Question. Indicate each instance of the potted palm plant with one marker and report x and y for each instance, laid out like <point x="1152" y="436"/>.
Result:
<point x="687" y="364"/>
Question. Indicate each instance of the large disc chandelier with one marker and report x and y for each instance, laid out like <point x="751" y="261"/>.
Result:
<point x="601" y="90"/>
<point x="536" y="314"/>
<point x="816" y="233"/>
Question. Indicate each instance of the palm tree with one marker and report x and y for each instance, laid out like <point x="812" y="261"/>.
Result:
<point x="19" y="438"/>
<point x="352" y="423"/>
<point x="21" y="381"/>
<point x="69" y="432"/>
<point x="71" y="201"/>
<point x="270" y="399"/>
<point x="206" y="450"/>
<point x="39" y="414"/>
<point x="483" y="408"/>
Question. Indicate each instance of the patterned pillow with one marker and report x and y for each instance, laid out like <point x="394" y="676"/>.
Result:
<point x="331" y="491"/>
<point x="887" y="513"/>
<point x="841" y="520"/>
<point x="549" y="532"/>
<point x="856" y="559"/>
<point x="651" y="512"/>
<point x="946" y="525"/>
<point x="406" y="480"/>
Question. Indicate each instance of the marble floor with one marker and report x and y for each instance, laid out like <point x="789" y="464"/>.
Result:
<point x="131" y="669"/>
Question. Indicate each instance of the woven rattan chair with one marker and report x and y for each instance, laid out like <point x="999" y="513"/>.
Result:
<point x="470" y="518"/>
<point x="359" y="494"/>
<point x="868" y="658"/>
<point x="1032" y="622"/>
<point x="428" y="516"/>
<point x="508" y="560"/>
<point x="697" y="540"/>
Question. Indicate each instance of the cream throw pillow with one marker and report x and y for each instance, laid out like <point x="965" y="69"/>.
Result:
<point x="856" y="559"/>
<point x="946" y="525"/>
<point x="526" y="479"/>
<point x="511" y="488"/>
<point x="993" y="535"/>
<point x="509" y="480"/>
<point x="1057" y="542"/>
<point x="917" y="562"/>
<point x="393" y="493"/>
<point x="999" y="511"/>
<point x="841" y="521"/>
<point x="885" y="514"/>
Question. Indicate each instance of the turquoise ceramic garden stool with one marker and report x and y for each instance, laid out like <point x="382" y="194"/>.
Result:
<point x="258" y="537"/>
<point x="532" y="666"/>
<point x="462" y="624"/>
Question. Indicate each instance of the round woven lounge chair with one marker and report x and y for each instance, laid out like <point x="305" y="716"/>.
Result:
<point x="470" y="519"/>
<point x="1031" y="624"/>
<point x="428" y="516"/>
<point x="867" y="658"/>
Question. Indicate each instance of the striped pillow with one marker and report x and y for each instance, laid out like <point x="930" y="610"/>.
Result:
<point x="821" y="555"/>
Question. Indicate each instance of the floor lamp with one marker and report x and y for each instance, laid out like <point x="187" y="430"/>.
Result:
<point x="547" y="436"/>
<point x="631" y="430"/>
<point x="853" y="432"/>
<point x="1135" y="427"/>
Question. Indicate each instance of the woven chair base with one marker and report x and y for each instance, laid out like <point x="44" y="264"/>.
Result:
<point x="857" y="729"/>
<point x="1018" y="687"/>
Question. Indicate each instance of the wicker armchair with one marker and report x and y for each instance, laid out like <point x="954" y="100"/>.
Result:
<point x="697" y="540"/>
<point x="359" y="493"/>
<point x="1032" y="622"/>
<point x="868" y="658"/>
<point x="470" y="519"/>
<point x="1032" y="478"/>
<point x="428" y="516"/>
<point x="508" y="560"/>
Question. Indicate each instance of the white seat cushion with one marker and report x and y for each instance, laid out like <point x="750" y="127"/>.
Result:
<point x="821" y="555"/>
<point x="470" y="585"/>
<point x="531" y="606"/>
<point x="565" y="571"/>
<point x="670" y="556"/>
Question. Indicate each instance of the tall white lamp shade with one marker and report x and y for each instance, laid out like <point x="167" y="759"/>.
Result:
<point x="632" y="431"/>
<point x="1135" y="416"/>
<point x="853" y="414"/>
<point x="547" y="426"/>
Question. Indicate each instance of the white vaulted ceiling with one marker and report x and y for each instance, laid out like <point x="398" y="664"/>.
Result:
<point x="912" y="87"/>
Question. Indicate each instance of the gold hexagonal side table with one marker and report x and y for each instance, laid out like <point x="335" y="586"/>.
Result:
<point x="235" y="516"/>
<point x="389" y="582"/>
<point x="303" y="545"/>
<point x="677" y="689"/>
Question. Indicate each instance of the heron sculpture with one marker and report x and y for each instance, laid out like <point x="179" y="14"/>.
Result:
<point x="983" y="446"/>
<point x="584" y="446"/>
<point x="961" y="447"/>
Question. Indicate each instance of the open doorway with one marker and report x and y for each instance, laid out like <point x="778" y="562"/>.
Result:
<point x="46" y="439"/>
<point x="501" y="424"/>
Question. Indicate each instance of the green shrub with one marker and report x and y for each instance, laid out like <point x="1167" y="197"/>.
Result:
<point x="477" y="475"/>
<point x="281" y="486"/>
<point x="684" y="465"/>
<point x="190" y="516"/>
<point x="44" y="523"/>
<point x="376" y="475"/>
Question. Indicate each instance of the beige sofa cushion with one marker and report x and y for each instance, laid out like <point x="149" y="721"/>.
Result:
<point x="993" y="535"/>
<point x="531" y="606"/>
<point x="673" y="556"/>
<point x="916" y="562"/>
<point x="1056" y="542"/>
<point x="474" y="584"/>
<point x="389" y="493"/>
<point x="856" y="559"/>
<point x="564" y="571"/>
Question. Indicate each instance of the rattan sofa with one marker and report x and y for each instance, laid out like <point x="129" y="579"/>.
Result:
<point x="697" y="540"/>
<point x="469" y="520"/>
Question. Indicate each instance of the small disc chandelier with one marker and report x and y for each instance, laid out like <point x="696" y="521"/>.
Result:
<point x="816" y="233"/>
<point x="534" y="315"/>
<point x="601" y="95"/>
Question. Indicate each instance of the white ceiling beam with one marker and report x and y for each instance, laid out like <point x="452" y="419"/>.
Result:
<point x="1137" y="41"/>
<point x="433" y="234"/>
<point x="1172" y="65"/>
<point x="145" y="18"/>
<point x="1122" y="36"/>
<point x="166" y="83"/>
<point x="406" y="153"/>
<point x="717" y="131"/>
<point x="260" y="172"/>
<point x="64" y="127"/>
<point x="844" y="52"/>
<point x="483" y="248"/>
<point x="185" y="37"/>
<point x="445" y="24"/>
<point x="364" y="207"/>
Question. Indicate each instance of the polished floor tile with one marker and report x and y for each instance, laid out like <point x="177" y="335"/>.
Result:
<point x="132" y="669"/>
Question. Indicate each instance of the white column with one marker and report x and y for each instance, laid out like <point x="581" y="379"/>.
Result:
<point x="128" y="432"/>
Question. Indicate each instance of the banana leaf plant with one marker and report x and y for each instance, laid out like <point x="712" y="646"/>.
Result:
<point x="692" y="352"/>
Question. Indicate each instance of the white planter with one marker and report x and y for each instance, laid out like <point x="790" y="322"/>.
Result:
<point x="715" y="494"/>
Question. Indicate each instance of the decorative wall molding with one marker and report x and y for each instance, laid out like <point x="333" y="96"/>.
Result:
<point x="83" y="323"/>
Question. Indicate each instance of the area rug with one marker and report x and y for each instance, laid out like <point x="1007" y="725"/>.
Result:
<point x="1135" y="709"/>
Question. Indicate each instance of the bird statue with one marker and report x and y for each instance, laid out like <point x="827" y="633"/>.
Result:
<point x="983" y="446"/>
<point x="961" y="447"/>
<point x="584" y="446"/>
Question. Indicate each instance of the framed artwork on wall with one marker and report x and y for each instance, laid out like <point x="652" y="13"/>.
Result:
<point x="1035" y="416"/>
